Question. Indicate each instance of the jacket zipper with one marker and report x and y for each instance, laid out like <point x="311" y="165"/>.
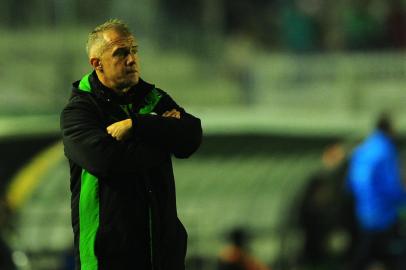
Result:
<point x="127" y="109"/>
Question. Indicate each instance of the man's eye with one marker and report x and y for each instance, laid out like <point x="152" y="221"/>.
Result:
<point x="121" y="53"/>
<point x="134" y="50"/>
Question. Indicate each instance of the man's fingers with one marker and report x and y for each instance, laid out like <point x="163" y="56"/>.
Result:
<point x="114" y="131"/>
<point x="168" y="113"/>
<point x="120" y="130"/>
<point x="109" y="130"/>
<point x="175" y="114"/>
<point x="172" y="113"/>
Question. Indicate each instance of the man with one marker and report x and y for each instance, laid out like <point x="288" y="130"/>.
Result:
<point x="374" y="179"/>
<point x="119" y="133"/>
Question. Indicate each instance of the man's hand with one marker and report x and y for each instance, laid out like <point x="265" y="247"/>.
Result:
<point x="120" y="130"/>
<point x="172" y="113"/>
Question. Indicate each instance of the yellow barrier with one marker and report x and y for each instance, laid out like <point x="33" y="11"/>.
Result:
<point x="24" y="183"/>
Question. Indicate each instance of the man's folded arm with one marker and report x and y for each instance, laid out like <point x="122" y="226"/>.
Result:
<point x="88" y="144"/>
<point x="182" y="137"/>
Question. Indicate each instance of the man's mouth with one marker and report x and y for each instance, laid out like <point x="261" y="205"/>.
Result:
<point x="132" y="71"/>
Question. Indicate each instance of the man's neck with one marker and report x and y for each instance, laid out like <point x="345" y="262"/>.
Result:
<point x="107" y="84"/>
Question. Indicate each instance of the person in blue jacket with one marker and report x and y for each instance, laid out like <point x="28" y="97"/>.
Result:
<point x="374" y="179"/>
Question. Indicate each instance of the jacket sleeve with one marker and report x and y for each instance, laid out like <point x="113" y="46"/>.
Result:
<point x="182" y="137"/>
<point x="87" y="144"/>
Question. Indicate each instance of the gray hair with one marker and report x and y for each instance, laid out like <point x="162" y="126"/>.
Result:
<point x="95" y="37"/>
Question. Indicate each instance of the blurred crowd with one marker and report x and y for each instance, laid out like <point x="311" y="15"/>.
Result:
<point x="290" y="25"/>
<point x="317" y="25"/>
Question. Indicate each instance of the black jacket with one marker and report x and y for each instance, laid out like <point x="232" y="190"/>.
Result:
<point x="123" y="193"/>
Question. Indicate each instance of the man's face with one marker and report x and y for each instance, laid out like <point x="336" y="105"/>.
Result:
<point x="119" y="60"/>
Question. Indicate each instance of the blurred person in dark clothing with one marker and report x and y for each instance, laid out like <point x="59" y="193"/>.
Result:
<point x="300" y="26"/>
<point x="6" y="260"/>
<point x="68" y="259"/>
<point x="119" y="134"/>
<point x="235" y="256"/>
<point x="396" y="24"/>
<point x="375" y="181"/>
<point x="323" y="211"/>
<point x="362" y="30"/>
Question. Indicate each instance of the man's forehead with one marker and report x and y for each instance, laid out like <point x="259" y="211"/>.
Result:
<point x="114" y="39"/>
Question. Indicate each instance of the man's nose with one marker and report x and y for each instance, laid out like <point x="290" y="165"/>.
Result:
<point x="132" y="59"/>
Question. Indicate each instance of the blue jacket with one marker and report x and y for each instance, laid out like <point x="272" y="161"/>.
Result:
<point x="374" y="179"/>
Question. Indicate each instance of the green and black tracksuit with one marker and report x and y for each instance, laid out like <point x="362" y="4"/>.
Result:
<point x="123" y="192"/>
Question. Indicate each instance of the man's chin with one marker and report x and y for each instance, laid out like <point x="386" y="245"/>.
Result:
<point x="134" y="79"/>
<point x="131" y="82"/>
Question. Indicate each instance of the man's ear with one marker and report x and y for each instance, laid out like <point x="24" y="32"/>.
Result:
<point x="96" y="64"/>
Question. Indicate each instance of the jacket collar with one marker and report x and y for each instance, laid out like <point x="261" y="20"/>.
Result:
<point x="90" y="83"/>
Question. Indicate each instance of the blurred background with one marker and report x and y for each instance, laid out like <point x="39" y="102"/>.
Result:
<point x="285" y="90"/>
